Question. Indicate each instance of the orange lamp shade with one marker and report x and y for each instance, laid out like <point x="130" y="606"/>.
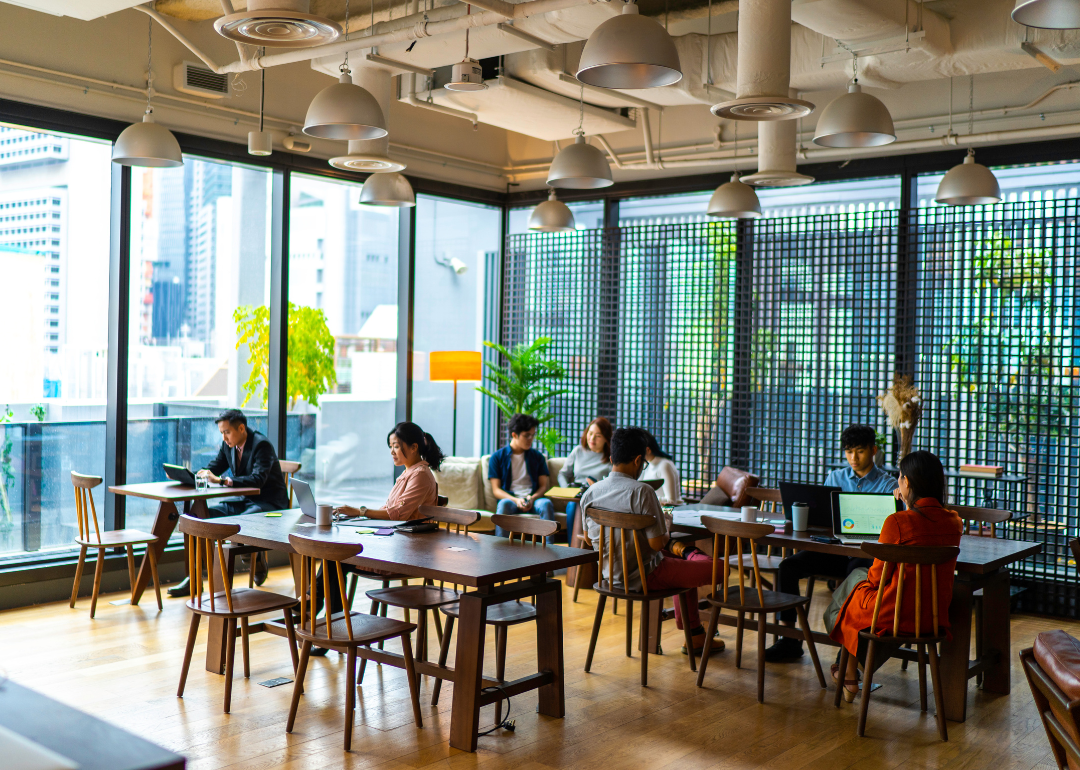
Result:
<point x="458" y="365"/>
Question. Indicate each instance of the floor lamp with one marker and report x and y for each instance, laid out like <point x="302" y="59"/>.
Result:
<point x="457" y="366"/>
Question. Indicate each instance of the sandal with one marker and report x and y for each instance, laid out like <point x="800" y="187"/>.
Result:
<point x="849" y="694"/>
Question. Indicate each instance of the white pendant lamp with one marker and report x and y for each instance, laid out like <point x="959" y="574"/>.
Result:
<point x="734" y="200"/>
<point x="855" y="119"/>
<point x="390" y="189"/>
<point x="371" y="155"/>
<point x="580" y="167"/>
<point x="552" y="216"/>
<point x="466" y="75"/>
<point x="1047" y="14"/>
<point x="261" y="142"/>
<point x="147" y="144"/>
<point x="344" y="111"/>
<point x="969" y="184"/>
<point x="629" y="51"/>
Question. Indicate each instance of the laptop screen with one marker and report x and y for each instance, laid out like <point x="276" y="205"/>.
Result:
<point x="864" y="514"/>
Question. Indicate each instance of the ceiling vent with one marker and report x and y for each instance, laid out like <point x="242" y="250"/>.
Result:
<point x="278" y="24"/>
<point x="197" y="80"/>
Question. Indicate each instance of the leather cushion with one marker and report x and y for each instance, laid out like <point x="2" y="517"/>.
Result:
<point x="730" y="488"/>
<point x="1058" y="654"/>
<point x="716" y="496"/>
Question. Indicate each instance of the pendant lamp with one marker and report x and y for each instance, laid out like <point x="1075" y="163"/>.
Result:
<point x="580" y="167"/>
<point x="1047" y="14"/>
<point x="969" y="184"/>
<point x="371" y="155"/>
<point x="629" y="51"/>
<point x="261" y="142"/>
<point x="344" y="111"/>
<point x="389" y="189"/>
<point x="466" y="75"/>
<point x="855" y="120"/>
<point x="147" y="144"/>
<point x="734" y="200"/>
<point x="552" y="216"/>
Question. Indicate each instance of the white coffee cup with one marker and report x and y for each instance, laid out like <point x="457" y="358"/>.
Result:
<point x="324" y="515"/>
<point x="800" y="517"/>
<point x="750" y="513"/>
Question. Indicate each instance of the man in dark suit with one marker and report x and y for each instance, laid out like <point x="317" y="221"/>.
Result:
<point x="250" y="461"/>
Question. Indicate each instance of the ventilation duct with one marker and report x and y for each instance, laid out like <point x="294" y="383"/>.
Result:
<point x="370" y="155"/>
<point x="764" y="65"/>
<point x="278" y="24"/>
<point x="776" y="156"/>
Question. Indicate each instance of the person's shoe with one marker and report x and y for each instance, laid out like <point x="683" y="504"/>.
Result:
<point x="717" y="645"/>
<point x="784" y="651"/>
<point x="319" y="652"/>
<point x="181" y="589"/>
<point x="262" y="569"/>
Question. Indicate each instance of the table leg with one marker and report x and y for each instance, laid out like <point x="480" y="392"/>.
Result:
<point x="164" y="524"/>
<point x="656" y="626"/>
<point x="217" y="636"/>
<point x="955" y="652"/>
<point x="996" y="634"/>
<point x="469" y="670"/>
<point x="549" y="650"/>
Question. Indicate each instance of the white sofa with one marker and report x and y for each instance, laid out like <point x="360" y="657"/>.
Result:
<point x="464" y="480"/>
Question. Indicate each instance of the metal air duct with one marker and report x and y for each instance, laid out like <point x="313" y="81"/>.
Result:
<point x="278" y="24"/>
<point x="776" y="156"/>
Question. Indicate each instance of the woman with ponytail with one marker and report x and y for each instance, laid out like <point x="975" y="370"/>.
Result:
<point x="417" y="451"/>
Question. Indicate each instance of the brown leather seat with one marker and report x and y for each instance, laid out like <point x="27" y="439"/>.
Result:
<point x="1052" y="666"/>
<point x="730" y="488"/>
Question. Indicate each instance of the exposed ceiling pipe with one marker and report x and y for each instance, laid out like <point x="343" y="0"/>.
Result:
<point x="646" y="132"/>
<point x="609" y="150"/>
<point x="610" y="93"/>
<point x="412" y="99"/>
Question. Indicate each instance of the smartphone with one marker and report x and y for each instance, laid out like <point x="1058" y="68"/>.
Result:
<point x="384" y="531"/>
<point x="820" y="539"/>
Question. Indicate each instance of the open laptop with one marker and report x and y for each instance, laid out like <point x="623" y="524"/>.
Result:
<point x="179" y="473"/>
<point x="305" y="498"/>
<point x="817" y="496"/>
<point x="859" y="516"/>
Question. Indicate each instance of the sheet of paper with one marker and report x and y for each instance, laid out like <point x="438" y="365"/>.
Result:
<point x="691" y="517"/>
<point x="21" y="753"/>
<point x="455" y="548"/>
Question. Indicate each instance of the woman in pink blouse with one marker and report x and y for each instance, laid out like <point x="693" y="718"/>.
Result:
<point x="418" y="452"/>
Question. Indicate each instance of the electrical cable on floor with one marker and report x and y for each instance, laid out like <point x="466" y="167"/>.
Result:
<point x="506" y="723"/>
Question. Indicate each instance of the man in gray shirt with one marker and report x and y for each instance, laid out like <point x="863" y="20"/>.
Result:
<point x="623" y="493"/>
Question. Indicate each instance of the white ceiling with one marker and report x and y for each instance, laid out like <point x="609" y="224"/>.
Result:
<point x="78" y="9"/>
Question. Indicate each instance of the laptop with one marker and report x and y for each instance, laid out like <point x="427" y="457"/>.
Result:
<point x="304" y="496"/>
<point x="859" y="516"/>
<point x="817" y="496"/>
<point x="179" y="473"/>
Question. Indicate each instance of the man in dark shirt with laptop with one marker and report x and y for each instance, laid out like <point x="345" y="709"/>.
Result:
<point x="862" y="475"/>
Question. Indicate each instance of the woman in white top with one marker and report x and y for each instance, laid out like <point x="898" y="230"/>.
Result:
<point x="661" y="467"/>
<point x="588" y="462"/>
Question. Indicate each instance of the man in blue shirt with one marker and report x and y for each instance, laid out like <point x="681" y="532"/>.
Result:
<point x="518" y="474"/>
<point x="861" y="475"/>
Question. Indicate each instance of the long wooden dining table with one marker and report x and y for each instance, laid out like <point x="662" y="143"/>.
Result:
<point x="476" y="561"/>
<point x="982" y="564"/>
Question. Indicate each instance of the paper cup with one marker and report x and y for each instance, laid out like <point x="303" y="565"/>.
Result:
<point x="324" y="515"/>
<point x="800" y="517"/>
<point x="750" y="514"/>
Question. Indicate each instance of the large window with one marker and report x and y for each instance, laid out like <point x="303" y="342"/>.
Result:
<point x="54" y="258"/>
<point x="457" y="255"/>
<point x="200" y="245"/>
<point x="343" y="265"/>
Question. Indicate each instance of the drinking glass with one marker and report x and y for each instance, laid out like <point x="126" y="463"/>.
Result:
<point x="201" y="483"/>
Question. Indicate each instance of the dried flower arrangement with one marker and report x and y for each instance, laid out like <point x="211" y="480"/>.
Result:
<point x="902" y="405"/>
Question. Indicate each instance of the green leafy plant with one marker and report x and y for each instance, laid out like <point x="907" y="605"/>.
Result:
<point x="526" y="384"/>
<point x="38" y="411"/>
<point x="311" y="353"/>
<point x="7" y="477"/>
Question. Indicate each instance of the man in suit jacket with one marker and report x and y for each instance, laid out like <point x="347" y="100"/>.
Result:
<point x="250" y="460"/>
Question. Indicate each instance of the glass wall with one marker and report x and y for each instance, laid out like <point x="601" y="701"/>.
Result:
<point x="457" y="255"/>
<point x="54" y="258"/>
<point x="343" y="265"/>
<point x="200" y="254"/>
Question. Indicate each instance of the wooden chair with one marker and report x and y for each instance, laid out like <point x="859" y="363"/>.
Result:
<point x="630" y="526"/>
<point x="500" y="616"/>
<point x="205" y="537"/>
<point x="288" y="469"/>
<point x="117" y="538"/>
<point x="898" y="557"/>
<point x="424" y="598"/>
<point x="1055" y="694"/>
<point x="757" y="601"/>
<point x="348" y="631"/>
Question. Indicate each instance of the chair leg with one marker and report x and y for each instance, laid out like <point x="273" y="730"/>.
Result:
<point x="644" y="640"/>
<point x="978" y="605"/>
<point x="436" y="618"/>
<point x="904" y="662"/>
<point x="706" y="651"/>
<point x="444" y="650"/>
<point x="414" y="686"/>
<point x="939" y="697"/>
<point x="98" y="570"/>
<point x="230" y="660"/>
<point x="630" y="629"/>
<point x="500" y="666"/>
<point x="809" y="586"/>
<point x="684" y="605"/>
<point x="577" y="583"/>
<point x="290" y="631"/>
<point x="298" y="685"/>
<point x="738" y="639"/>
<point x="353" y="580"/>
<point x="868" y="684"/>
<point x="421" y="637"/>
<point x="244" y="645"/>
<point x="151" y="556"/>
<point x="78" y="576"/>
<point x="131" y="570"/>
<point x="761" y="638"/>
<point x="804" y="623"/>
<point x="350" y="696"/>
<point x="922" y="676"/>
<point x="614" y="606"/>
<point x="841" y="675"/>
<point x="192" y="633"/>
<point x="600" y="602"/>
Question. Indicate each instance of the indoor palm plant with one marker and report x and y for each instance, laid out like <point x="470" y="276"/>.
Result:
<point x="526" y="384"/>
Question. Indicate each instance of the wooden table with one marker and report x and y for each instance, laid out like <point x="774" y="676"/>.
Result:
<point x="85" y="740"/>
<point x="168" y="494"/>
<point x="485" y="561"/>
<point x="983" y="563"/>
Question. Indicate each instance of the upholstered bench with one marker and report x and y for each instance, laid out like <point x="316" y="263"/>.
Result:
<point x="1052" y="666"/>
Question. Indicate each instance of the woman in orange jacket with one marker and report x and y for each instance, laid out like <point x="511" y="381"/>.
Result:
<point x="925" y="522"/>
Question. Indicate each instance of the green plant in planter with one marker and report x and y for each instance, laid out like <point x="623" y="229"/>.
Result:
<point x="7" y="478"/>
<point x="526" y="385"/>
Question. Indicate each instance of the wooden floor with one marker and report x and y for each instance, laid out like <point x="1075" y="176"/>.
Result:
<point x="124" y="667"/>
